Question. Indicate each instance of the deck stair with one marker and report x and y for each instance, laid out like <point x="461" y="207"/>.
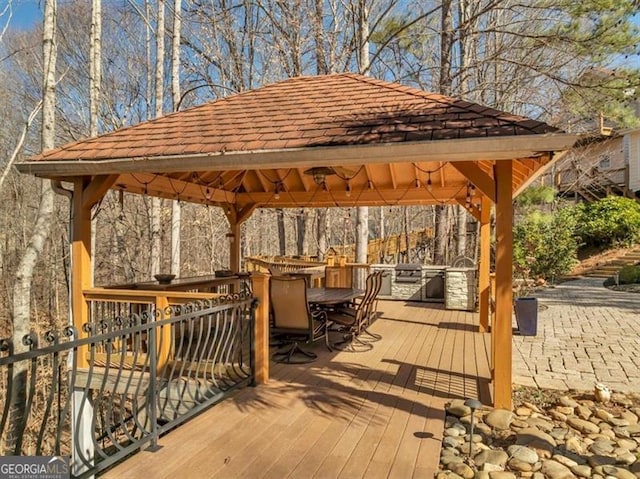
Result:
<point x="613" y="265"/>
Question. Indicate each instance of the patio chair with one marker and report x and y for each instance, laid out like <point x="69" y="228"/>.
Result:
<point x="353" y="321"/>
<point x="293" y="321"/>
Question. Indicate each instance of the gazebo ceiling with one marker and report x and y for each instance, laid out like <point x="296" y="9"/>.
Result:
<point x="314" y="141"/>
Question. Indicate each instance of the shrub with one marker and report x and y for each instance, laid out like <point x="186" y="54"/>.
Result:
<point x="612" y="221"/>
<point x="545" y="245"/>
<point x="629" y="274"/>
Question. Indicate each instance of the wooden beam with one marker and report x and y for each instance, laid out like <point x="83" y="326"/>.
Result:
<point x="479" y="178"/>
<point x="484" y="266"/>
<point x="234" y="247"/>
<point x="96" y="190"/>
<point x="504" y="295"/>
<point x="470" y="208"/>
<point x="359" y="197"/>
<point x="80" y="262"/>
<point x="260" y="284"/>
<point x="468" y="149"/>
<point x="166" y="187"/>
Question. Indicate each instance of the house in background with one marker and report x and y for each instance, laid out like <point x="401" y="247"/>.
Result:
<point x="602" y="165"/>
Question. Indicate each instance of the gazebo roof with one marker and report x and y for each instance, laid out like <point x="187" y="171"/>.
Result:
<point x="378" y="139"/>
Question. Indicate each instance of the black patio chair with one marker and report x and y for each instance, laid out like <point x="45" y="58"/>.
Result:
<point x="293" y="321"/>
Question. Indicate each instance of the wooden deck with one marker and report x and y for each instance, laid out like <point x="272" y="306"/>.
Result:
<point x="347" y="415"/>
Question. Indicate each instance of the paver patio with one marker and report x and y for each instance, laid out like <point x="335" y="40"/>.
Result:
<point x="586" y="334"/>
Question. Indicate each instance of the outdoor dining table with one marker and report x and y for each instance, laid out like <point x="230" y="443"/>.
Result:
<point x="328" y="296"/>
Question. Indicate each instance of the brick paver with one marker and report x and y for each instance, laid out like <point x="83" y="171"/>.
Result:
<point x="586" y="334"/>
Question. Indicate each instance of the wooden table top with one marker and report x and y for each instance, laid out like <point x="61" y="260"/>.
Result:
<point x="332" y="295"/>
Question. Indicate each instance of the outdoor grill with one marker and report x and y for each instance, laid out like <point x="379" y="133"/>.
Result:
<point x="408" y="273"/>
<point x="412" y="282"/>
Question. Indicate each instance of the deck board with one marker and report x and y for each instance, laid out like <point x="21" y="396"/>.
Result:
<point x="347" y="415"/>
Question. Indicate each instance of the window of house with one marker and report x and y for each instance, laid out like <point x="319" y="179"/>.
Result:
<point x="605" y="162"/>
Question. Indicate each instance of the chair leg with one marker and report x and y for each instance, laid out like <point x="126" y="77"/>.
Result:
<point x="352" y="344"/>
<point x="293" y="354"/>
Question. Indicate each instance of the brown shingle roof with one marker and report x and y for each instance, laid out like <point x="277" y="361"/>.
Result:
<point x="331" y="110"/>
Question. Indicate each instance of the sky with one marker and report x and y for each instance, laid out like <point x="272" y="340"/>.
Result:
<point x="26" y="13"/>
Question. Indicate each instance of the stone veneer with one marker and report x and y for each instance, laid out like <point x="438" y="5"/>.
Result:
<point x="460" y="289"/>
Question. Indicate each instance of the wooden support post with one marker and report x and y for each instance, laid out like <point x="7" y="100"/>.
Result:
<point x="80" y="263"/>
<point x="234" y="247"/>
<point x="164" y="336"/>
<point x="485" y="263"/>
<point x="261" y="327"/>
<point x="504" y="294"/>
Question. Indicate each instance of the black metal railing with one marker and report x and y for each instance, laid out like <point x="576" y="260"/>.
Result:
<point x="130" y="378"/>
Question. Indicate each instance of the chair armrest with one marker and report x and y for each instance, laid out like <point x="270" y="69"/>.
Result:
<point x="319" y="315"/>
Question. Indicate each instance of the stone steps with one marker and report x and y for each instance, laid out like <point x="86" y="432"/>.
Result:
<point x="614" y="265"/>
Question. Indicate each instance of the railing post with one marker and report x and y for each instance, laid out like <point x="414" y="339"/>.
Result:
<point x="153" y="386"/>
<point x="261" y="327"/>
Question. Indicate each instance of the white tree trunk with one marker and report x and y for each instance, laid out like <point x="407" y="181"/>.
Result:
<point x="24" y="272"/>
<point x="176" y="208"/>
<point x="95" y="79"/>
<point x="18" y="147"/>
<point x="362" y="222"/>
<point x="156" y="203"/>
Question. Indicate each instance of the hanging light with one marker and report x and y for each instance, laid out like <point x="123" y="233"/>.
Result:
<point x="319" y="174"/>
<point x="348" y="190"/>
<point x="429" y="184"/>
<point x="276" y="195"/>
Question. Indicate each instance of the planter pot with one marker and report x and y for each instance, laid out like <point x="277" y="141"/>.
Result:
<point x="527" y="315"/>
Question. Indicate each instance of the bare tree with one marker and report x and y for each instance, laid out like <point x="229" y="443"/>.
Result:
<point x="362" y="222"/>
<point x="156" y="203"/>
<point x="176" y="209"/>
<point x="26" y="267"/>
<point x="95" y="75"/>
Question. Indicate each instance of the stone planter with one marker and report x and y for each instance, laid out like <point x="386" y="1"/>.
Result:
<point x="526" y="315"/>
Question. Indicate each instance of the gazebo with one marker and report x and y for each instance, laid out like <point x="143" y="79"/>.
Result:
<point x="320" y="141"/>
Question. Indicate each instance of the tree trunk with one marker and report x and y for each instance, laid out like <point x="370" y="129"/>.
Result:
<point x="176" y="208"/>
<point x="362" y="221"/>
<point x="322" y="233"/>
<point x="156" y="203"/>
<point x="445" y="84"/>
<point x="282" y="237"/>
<point x="441" y="235"/>
<point x="300" y="232"/>
<point x="24" y="272"/>
<point x="95" y="78"/>
<point x="461" y="231"/>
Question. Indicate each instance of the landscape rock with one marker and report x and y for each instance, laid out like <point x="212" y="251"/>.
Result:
<point x="602" y="447"/>
<point x="458" y="409"/>
<point x="555" y="470"/>
<point x="502" y="475"/>
<point x="567" y="401"/>
<point x="570" y="437"/>
<point x="499" y="419"/>
<point x="498" y="458"/>
<point x="582" y="425"/>
<point x="581" y="470"/>
<point x="523" y="453"/>
<point x="462" y="470"/>
<point x="518" y="465"/>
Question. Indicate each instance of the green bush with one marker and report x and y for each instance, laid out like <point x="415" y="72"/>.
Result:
<point x="629" y="274"/>
<point x="545" y="245"/>
<point x="612" y="221"/>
